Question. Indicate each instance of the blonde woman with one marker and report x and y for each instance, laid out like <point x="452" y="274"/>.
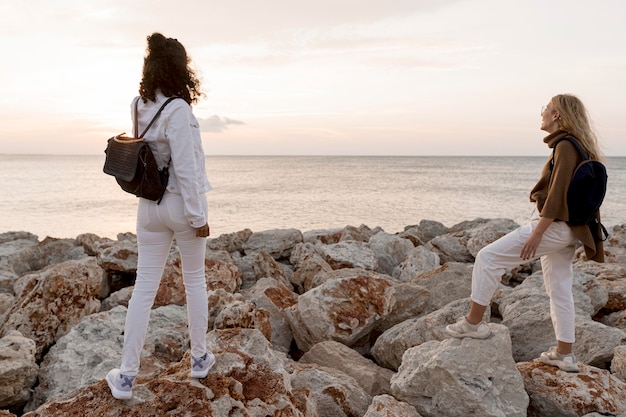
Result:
<point x="548" y="235"/>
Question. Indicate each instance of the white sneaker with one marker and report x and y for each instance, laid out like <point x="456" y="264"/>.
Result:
<point x="200" y="366"/>
<point x="565" y="363"/>
<point x="121" y="385"/>
<point x="462" y="328"/>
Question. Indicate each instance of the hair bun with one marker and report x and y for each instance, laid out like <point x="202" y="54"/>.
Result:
<point x="156" y="41"/>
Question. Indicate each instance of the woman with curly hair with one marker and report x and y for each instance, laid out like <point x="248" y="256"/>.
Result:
<point x="548" y="236"/>
<point x="175" y="140"/>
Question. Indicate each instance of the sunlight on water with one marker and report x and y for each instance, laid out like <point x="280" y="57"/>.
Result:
<point x="64" y="196"/>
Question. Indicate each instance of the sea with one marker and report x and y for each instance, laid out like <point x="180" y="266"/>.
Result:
<point x="65" y="196"/>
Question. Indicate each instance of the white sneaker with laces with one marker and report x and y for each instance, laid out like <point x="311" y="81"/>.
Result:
<point x="565" y="363"/>
<point x="121" y="385"/>
<point x="200" y="366"/>
<point x="462" y="328"/>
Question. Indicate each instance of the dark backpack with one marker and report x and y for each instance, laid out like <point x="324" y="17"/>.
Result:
<point x="586" y="190"/>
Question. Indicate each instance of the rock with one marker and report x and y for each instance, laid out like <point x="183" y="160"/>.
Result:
<point x="264" y="266"/>
<point x="387" y="406"/>
<point x="118" y="298"/>
<point x="411" y="300"/>
<point x="18" y="369"/>
<point x="305" y="276"/>
<point x="343" y="309"/>
<point x="618" y="365"/>
<point x="244" y="315"/>
<point x="372" y="378"/>
<point x="278" y="242"/>
<point x="389" y="250"/>
<point x="336" y="394"/>
<point x="94" y="346"/>
<point x="450" y="249"/>
<point x="274" y="297"/>
<point x="488" y="232"/>
<point x="561" y="394"/>
<point x="6" y="301"/>
<point x="615" y="320"/>
<point x="526" y="311"/>
<point x="54" y="300"/>
<point x="248" y="379"/>
<point x="229" y="242"/>
<point x="418" y="260"/>
<point x="219" y="300"/>
<point x="350" y="254"/>
<point x="221" y="271"/>
<point x="118" y="256"/>
<point x="391" y="345"/>
<point x="461" y="377"/>
<point x="426" y="231"/>
<point x="447" y="283"/>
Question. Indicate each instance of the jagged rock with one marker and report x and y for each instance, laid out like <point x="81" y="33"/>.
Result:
<point x="118" y="256"/>
<point x="249" y="379"/>
<point x="342" y="309"/>
<point x="6" y="301"/>
<point x="488" y="232"/>
<point x="461" y="377"/>
<point x="557" y="393"/>
<point x="387" y="406"/>
<point x="221" y="271"/>
<point x="304" y="278"/>
<point x="615" y="320"/>
<point x="410" y="300"/>
<point x="117" y="298"/>
<point x="426" y="231"/>
<point x="447" y="283"/>
<point x="389" y="250"/>
<point x="450" y="249"/>
<point x="618" y="365"/>
<point x="274" y="297"/>
<point x="391" y="345"/>
<point x="244" y="315"/>
<point x="350" y="254"/>
<point x="94" y="346"/>
<point x="229" y="242"/>
<point x="526" y="311"/>
<point x="418" y="260"/>
<point x="264" y="266"/>
<point x="18" y="369"/>
<point x="52" y="301"/>
<point x="218" y="300"/>
<point x="371" y="377"/>
<point x="276" y="242"/>
<point x="336" y="394"/>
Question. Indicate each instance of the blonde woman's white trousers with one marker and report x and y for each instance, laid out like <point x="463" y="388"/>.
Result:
<point x="556" y="251"/>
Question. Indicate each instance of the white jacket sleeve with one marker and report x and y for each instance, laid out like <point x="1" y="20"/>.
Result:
<point x="180" y="135"/>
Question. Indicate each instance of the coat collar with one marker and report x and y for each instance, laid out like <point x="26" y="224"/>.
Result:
<point x="553" y="138"/>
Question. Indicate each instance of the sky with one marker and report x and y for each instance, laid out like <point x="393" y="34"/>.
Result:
<point x="323" y="77"/>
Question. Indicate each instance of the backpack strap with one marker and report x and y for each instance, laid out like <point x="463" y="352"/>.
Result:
<point x="576" y="144"/>
<point x="153" y="119"/>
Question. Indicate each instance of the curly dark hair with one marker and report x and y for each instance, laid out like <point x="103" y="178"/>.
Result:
<point x="166" y="68"/>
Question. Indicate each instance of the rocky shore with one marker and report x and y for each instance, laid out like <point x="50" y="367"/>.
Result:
<point x="326" y="323"/>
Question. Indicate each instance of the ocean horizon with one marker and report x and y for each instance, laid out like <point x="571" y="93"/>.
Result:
<point x="62" y="196"/>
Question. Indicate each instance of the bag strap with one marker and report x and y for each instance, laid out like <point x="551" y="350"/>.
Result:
<point x="153" y="119"/>
<point x="576" y="144"/>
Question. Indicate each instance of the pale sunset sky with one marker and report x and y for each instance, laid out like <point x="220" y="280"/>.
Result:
<point x="323" y="77"/>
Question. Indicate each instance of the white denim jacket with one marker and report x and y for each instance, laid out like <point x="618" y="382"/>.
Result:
<point x="176" y="134"/>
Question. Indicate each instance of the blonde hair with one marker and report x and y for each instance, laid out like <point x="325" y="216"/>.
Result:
<point x="574" y="119"/>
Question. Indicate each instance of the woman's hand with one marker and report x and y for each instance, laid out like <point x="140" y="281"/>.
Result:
<point x="203" y="231"/>
<point x="529" y="251"/>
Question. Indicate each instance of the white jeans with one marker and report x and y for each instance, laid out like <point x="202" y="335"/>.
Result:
<point x="157" y="226"/>
<point x="556" y="250"/>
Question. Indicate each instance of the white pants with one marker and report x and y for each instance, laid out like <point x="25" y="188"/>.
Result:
<point x="157" y="226"/>
<point x="556" y="250"/>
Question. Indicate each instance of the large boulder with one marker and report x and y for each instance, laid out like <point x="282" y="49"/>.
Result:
<point x="18" y="369"/>
<point x="461" y="377"/>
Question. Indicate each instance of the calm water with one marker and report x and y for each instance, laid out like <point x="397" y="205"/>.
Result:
<point x="64" y="196"/>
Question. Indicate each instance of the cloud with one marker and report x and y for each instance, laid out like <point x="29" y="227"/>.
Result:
<point x="217" y="123"/>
